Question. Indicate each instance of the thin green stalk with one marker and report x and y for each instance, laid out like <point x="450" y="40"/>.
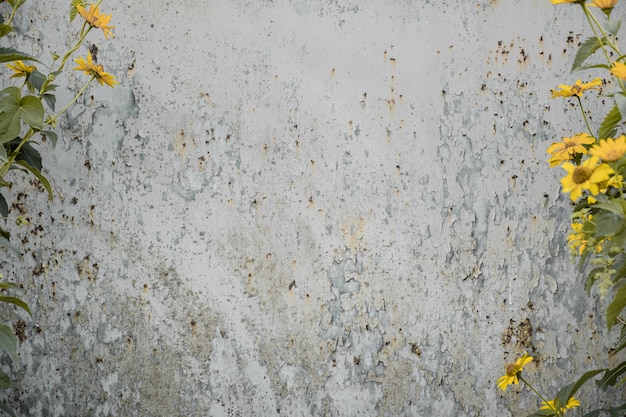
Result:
<point x="7" y="164"/>
<point x="532" y="388"/>
<point x="580" y="103"/>
<point x="52" y="120"/>
<point x="593" y="23"/>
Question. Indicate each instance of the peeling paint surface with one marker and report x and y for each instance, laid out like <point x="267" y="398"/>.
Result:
<point x="303" y="208"/>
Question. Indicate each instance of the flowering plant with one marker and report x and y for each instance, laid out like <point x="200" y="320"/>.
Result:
<point x="28" y="117"/>
<point x="594" y="164"/>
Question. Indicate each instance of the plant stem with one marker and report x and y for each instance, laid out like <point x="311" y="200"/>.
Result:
<point x="580" y="103"/>
<point x="532" y="388"/>
<point x="593" y="22"/>
<point x="6" y="165"/>
<point x="52" y="119"/>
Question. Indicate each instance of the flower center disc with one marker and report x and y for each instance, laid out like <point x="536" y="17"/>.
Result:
<point x="581" y="174"/>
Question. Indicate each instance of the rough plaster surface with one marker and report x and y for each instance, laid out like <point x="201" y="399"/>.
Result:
<point x="303" y="208"/>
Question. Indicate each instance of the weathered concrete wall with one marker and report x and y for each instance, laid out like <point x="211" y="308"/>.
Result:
<point x="304" y="208"/>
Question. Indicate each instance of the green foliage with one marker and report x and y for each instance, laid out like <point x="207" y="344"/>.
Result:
<point x="596" y="181"/>
<point x="587" y="48"/>
<point x="24" y="119"/>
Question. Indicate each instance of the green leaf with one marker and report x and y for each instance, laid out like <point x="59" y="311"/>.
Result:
<point x="50" y="100"/>
<point x="5" y="29"/>
<point x="609" y="219"/>
<point x="613" y="26"/>
<point x="7" y="409"/>
<point x="27" y="153"/>
<point x="611" y="375"/>
<point x="618" y="411"/>
<point x="9" y="285"/>
<point x="4" y="207"/>
<point x="616" y="307"/>
<point x="10" y="54"/>
<point x="16" y="301"/>
<point x="5" y="242"/>
<point x="5" y="381"/>
<point x="14" y="108"/>
<point x="44" y="181"/>
<point x="620" y="101"/>
<point x="587" y="49"/>
<point x="567" y="392"/>
<point x="607" y="127"/>
<point x="36" y="79"/>
<point x="32" y="111"/>
<point x="621" y="344"/>
<point x="50" y="135"/>
<point x="8" y="342"/>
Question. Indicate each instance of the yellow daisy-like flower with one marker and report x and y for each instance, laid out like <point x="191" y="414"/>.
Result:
<point x="21" y="69"/>
<point x="619" y="70"/>
<point x="610" y="150"/>
<point x="585" y="176"/>
<point x="577" y="89"/>
<point x="513" y="371"/>
<point x="568" y="147"/>
<point x="571" y="403"/>
<point x="96" y="19"/>
<point x="603" y="4"/>
<point x="96" y="70"/>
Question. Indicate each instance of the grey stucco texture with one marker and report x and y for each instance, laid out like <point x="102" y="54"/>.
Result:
<point x="302" y="208"/>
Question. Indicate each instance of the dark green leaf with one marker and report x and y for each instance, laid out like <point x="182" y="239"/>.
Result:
<point x="618" y="411"/>
<point x="10" y="54"/>
<point x="5" y="381"/>
<point x="7" y="409"/>
<point x="51" y="100"/>
<point x="43" y="180"/>
<point x="608" y="223"/>
<point x="607" y="127"/>
<point x="8" y="342"/>
<point x="4" y="207"/>
<point x="611" y="375"/>
<point x="5" y="234"/>
<point x="27" y="153"/>
<point x="587" y="49"/>
<point x="5" y="29"/>
<point x="567" y="392"/>
<point x="15" y="301"/>
<point x="621" y="344"/>
<point x="36" y="79"/>
<point x="593" y="66"/>
<point x="5" y="242"/>
<point x="616" y="307"/>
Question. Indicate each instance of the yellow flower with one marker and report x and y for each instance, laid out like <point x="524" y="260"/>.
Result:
<point x="577" y="89"/>
<point x="571" y="403"/>
<point x="513" y="371"/>
<point x="610" y="150"/>
<point x="585" y="176"/>
<point x="568" y="147"/>
<point x="603" y="4"/>
<point x="96" y="19"/>
<point x="21" y="69"/>
<point x="619" y="70"/>
<point x="96" y="70"/>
